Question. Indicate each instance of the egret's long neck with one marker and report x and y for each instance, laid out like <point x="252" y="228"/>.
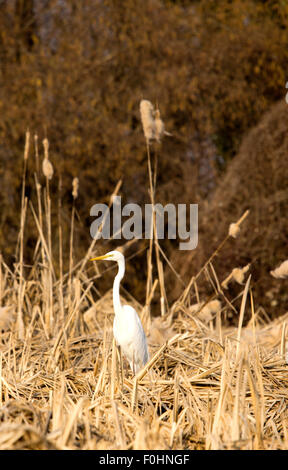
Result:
<point x="116" y="287"/>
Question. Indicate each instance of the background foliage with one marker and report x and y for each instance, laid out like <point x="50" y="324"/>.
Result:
<point x="75" y="72"/>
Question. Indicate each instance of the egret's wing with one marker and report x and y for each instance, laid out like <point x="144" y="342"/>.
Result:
<point x="130" y="335"/>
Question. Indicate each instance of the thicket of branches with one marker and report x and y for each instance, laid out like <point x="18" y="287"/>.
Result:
<point x="75" y="72"/>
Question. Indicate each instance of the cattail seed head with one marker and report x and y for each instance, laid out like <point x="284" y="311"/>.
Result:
<point x="47" y="168"/>
<point x="75" y="187"/>
<point x="238" y="274"/>
<point x="159" y="126"/>
<point x="27" y="143"/>
<point x="46" y="164"/>
<point x="281" y="272"/>
<point x="147" y="118"/>
<point x="46" y="148"/>
<point x="234" y="230"/>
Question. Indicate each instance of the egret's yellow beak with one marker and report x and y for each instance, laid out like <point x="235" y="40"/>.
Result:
<point x="100" y="257"/>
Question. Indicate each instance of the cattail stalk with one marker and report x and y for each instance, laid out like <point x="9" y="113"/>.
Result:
<point x="60" y="287"/>
<point x="20" y="321"/>
<point x="36" y="154"/>
<point x="75" y="186"/>
<point x="150" y="131"/>
<point x="48" y="173"/>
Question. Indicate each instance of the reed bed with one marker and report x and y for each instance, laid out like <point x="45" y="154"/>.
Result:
<point x="198" y="391"/>
<point x="64" y="386"/>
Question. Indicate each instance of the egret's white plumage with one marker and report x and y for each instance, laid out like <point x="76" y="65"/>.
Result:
<point x="127" y="328"/>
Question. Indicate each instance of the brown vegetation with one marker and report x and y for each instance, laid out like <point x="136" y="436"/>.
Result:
<point x="74" y="73"/>
<point x="256" y="180"/>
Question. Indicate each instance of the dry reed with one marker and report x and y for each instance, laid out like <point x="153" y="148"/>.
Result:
<point x="62" y="384"/>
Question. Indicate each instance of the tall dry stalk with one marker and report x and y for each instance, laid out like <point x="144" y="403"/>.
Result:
<point x="20" y="321"/>
<point x="48" y="274"/>
<point x="150" y="132"/>
<point x="75" y="185"/>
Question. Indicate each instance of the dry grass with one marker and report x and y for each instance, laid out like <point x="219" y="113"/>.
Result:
<point x="63" y="386"/>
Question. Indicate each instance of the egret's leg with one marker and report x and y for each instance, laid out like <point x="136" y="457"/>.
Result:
<point x="114" y="370"/>
<point x="120" y="361"/>
<point x="133" y="365"/>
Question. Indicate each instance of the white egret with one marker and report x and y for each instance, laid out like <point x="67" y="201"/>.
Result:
<point x="127" y="327"/>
